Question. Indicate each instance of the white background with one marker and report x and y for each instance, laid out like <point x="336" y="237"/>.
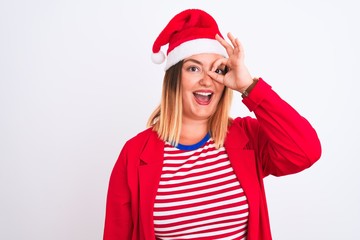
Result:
<point x="76" y="81"/>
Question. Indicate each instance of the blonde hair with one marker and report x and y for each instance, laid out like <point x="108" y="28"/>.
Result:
<point x="166" y="119"/>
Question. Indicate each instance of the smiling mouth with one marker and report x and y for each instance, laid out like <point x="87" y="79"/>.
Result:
<point x="203" y="98"/>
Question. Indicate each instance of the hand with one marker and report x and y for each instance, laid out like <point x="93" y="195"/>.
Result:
<point x="237" y="77"/>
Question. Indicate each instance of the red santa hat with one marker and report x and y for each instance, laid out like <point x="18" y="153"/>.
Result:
<point x="189" y="32"/>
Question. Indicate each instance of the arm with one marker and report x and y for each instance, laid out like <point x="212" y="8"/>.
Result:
<point x="283" y="140"/>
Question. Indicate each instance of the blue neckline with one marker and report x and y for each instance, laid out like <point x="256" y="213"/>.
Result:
<point x="194" y="146"/>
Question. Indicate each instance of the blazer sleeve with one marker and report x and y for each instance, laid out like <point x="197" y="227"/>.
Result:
<point x="283" y="140"/>
<point x="118" y="222"/>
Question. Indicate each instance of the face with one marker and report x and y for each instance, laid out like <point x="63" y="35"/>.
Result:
<point x="200" y="94"/>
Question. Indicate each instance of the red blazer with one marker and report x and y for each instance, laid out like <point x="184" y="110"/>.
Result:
<point x="278" y="142"/>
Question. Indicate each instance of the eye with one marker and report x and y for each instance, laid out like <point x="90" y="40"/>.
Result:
<point x="221" y="71"/>
<point x="193" y="69"/>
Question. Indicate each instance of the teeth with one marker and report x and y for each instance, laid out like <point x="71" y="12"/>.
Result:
<point x="204" y="93"/>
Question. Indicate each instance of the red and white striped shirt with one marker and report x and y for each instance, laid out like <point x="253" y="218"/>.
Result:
<point x="199" y="196"/>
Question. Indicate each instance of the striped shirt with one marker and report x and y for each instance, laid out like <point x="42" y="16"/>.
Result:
<point x="199" y="196"/>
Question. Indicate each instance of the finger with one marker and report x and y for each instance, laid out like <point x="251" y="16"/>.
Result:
<point x="235" y="42"/>
<point x="225" y="44"/>
<point x="219" y="62"/>
<point x="232" y="39"/>
<point x="239" y="45"/>
<point x="216" y="77"/>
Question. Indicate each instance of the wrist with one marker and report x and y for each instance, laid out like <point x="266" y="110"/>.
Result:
<point x="247" y="91"/>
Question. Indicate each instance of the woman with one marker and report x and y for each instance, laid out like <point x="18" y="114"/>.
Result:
<point x="195" y="173"/>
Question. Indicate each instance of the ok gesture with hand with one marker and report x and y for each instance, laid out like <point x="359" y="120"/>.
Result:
<point x="237" y="76"/>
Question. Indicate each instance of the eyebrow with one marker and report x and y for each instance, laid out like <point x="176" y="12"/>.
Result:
<point x="193" y="60"/>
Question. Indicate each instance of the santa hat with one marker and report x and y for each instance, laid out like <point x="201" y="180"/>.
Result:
<point x="189" y="32"/>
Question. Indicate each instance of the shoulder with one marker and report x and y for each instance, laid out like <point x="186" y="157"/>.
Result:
<point x="242" y="130"/>
<point x="133" y="147"/>
<point x="242" y="123"/>
<point x="140" y="138"/>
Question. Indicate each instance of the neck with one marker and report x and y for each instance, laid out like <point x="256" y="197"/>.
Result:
<point x="192" y="131"/>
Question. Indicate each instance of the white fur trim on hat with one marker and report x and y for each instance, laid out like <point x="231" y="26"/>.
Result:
<point x="196" y="46"/>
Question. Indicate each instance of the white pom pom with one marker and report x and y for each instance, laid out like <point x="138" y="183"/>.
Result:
<point x="158" y="58"/>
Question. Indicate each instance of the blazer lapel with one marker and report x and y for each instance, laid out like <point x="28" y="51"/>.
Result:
<point x="151" y="162"/>
<point x="244" y="164"/>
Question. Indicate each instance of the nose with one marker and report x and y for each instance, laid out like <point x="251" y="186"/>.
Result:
<point x="206" y="80"/>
